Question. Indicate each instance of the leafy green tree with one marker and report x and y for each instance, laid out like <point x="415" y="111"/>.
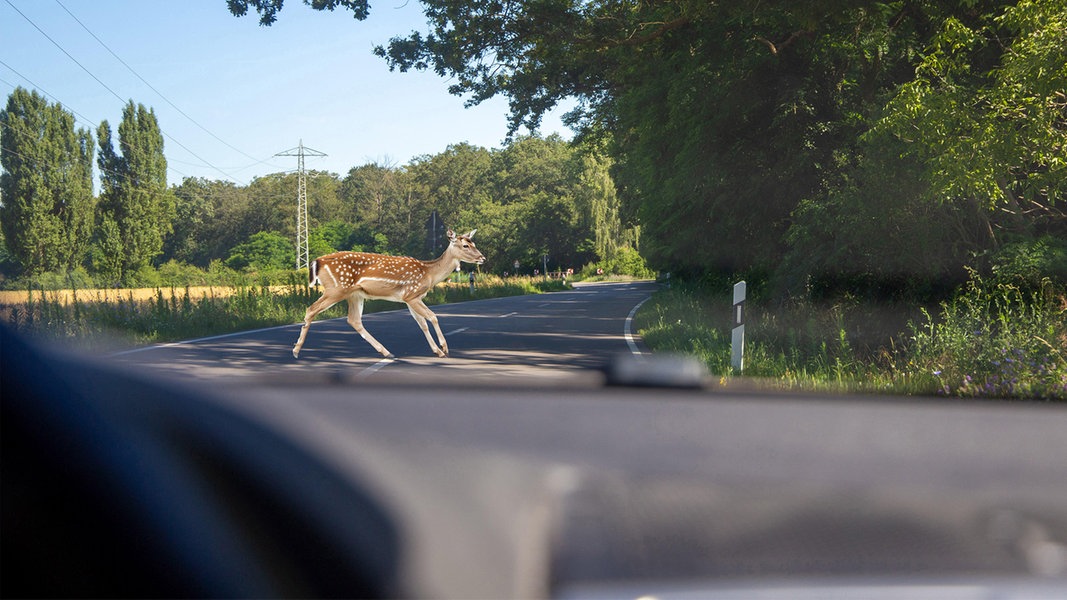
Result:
<point x="134" y="194"/>
<point x="194" y="212"/>
<point x="987" y="113"/>
<point x="454" y="180"/>
<point x="749" y="132"/>
<point x="370" y="193"/>
<point x="535" y="211"/>
<point x="385" y="200"/>
<point x="269" y="9"/>
<point x="263" y="251"/>
<point x="598" y="198"/>
<point x="46" y="185"/>
<point x="455" y="183"/>
<point x="722" y="117"/>
<point x="230" y="214"/>
<point x="973" y="147"/>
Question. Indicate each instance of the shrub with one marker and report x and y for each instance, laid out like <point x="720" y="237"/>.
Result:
<point x="994" y="340"/>
<point x="1028" y="262"/>
<point x="626" y="261"/>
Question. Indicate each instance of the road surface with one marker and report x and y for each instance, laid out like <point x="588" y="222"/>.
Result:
<point x="507" y="490"/>
<point x="560" y="334"/>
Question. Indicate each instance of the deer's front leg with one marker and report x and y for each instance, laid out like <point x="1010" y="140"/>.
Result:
<point x="316" y="307"/>
<point x="355" y="319"/>
<point x="422" y="313"/>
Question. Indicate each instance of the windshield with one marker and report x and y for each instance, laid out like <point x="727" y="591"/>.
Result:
<point x="158" y="181"/>
<point x="642" y="282"/>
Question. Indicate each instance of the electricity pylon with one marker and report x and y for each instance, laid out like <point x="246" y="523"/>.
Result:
<point x="302" y="258"/>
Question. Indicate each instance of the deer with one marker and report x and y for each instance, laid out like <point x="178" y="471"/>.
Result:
<point x="358" y="276"/>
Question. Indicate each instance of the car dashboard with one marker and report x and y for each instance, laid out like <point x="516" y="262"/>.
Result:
<point x="119" y="482"/>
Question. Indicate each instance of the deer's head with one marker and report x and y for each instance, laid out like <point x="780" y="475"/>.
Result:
<point x="463" y="248"/>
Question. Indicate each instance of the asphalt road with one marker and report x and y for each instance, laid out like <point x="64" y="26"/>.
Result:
<point x="508" y="490"/>
<point x="561" y="334"/>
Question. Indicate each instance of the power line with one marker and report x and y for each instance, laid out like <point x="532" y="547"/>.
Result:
<point x="88" y="122"/>
<point x="84" y="121"/>
<point x="101" y="169"/>
<point x="150" y="86"/>
<point x="113" y="93"/>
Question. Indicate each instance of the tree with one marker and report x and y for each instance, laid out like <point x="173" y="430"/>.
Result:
<point x="263" y="251"/>
<point x="973" y="145"/>
<point x="454" y="183"/>
<point x="383" y="198"/>
<point x="534" y="211"/>
<point x="46" y="184"/>
<point x="597" y="197"/>
<point x="987" y="113"/>
<point x="269" y="9"/>
<point x="134" y="194"/>
<point x="370" y="192"/>
<point x="722" y="117"/>
<point x="194" y="212"/>
<point x="454" y="180"/>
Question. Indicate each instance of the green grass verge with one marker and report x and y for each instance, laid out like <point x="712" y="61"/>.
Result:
<point x="992" y="340"/>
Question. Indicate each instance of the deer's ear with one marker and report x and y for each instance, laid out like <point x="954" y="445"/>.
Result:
<point x="471" y="234"/>
<point x="451" y="235"/>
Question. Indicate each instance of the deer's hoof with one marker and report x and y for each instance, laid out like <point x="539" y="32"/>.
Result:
<point x="296" y="353"/>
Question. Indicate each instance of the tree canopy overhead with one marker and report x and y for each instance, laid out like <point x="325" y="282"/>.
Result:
<point x="747" y="132"/>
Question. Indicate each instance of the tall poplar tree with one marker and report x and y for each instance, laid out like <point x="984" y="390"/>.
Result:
<point x="136" y="210"/>
<point x="46" y="188"/>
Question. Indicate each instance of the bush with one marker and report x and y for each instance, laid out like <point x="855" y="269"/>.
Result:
<point x="76" y="279"/>
<point x="1028" y="262"/>
<point x="264" y="251"/>
<point x="626" y="261"/>
<point x="994" y="340"/>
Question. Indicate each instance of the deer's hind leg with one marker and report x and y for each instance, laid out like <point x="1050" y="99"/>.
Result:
<point x="355" y="319"/>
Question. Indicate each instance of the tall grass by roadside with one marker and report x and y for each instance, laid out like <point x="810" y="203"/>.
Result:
<point x="991" y="340"/>
<point x="172" y="314"/>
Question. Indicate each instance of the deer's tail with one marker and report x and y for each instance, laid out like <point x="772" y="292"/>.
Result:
<point x="313" y="273"/>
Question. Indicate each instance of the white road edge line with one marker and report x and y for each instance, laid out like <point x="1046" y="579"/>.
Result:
<point x="205" y="339"/>
<point x="627" y="330"/>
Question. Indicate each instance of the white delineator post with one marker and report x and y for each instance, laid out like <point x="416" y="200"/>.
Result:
<point x="737" y="338"/>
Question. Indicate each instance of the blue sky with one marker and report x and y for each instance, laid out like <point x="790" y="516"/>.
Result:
<point x="252" y="91"/>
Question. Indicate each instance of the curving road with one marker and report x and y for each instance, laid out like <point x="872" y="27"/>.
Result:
<point x="562" y="334"/>
<point x="505" y="490"/>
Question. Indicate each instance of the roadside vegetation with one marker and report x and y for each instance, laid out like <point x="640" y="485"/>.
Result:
<point x="992" y="339"/>
<point x="111" y="319"/>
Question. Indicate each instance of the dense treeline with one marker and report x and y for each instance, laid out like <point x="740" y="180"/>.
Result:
<point x="824" y="147"/>
<point x="536" y="201"/>
<point x="534" y="197"/>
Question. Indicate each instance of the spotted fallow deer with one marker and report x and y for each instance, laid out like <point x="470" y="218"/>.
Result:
<point x="357" y="276"/>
